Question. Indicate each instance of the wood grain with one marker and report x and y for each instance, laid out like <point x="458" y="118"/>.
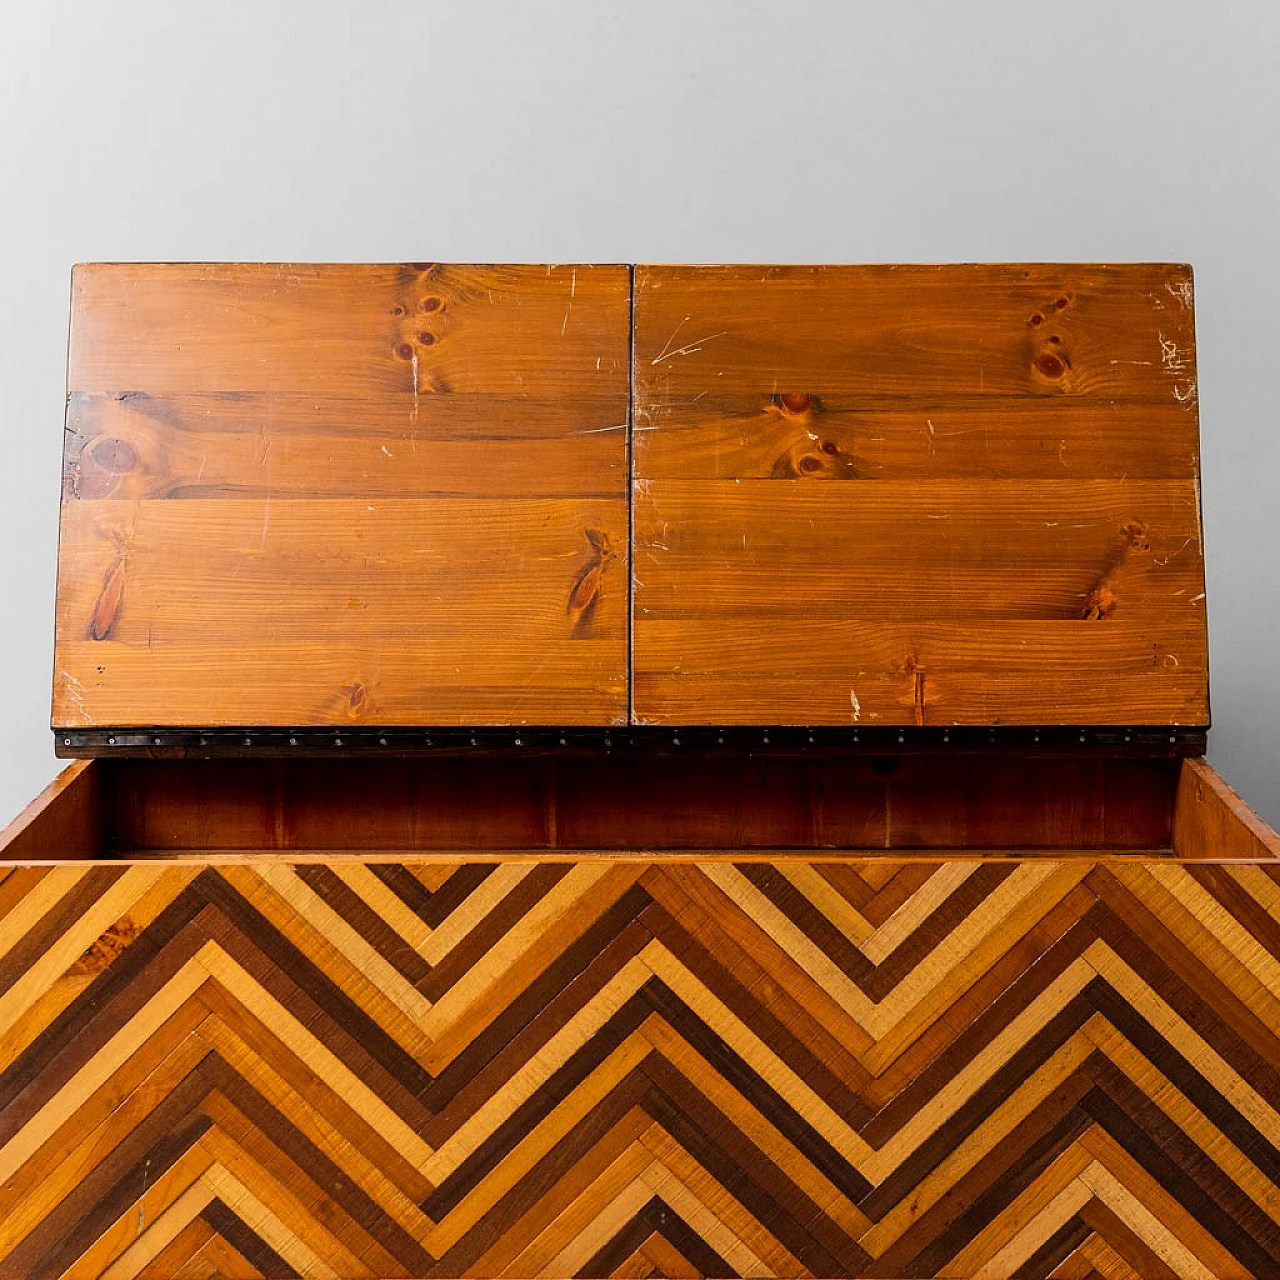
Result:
<point x="1028" y="1069"/>
<point x="598" y="805"/>
<point x="303" y="495"/>
<point x="66" y="820"/>
<point x="1021" y="456"/>
<point x="1210" y="820"/>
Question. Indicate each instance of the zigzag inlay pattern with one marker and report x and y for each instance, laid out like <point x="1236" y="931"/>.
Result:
<point x="1032" y="1069"/>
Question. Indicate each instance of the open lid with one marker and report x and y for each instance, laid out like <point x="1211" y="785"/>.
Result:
<point x="301" y="495"/>
<point x="917" y="496"/>
<point x="354" y="497"/>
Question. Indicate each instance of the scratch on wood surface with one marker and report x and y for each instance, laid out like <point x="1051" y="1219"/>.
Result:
<point x="1186" y="543"/>
<point x="855" y="704"/>
<point x="413" y="413"/>
<point x="1183" y="290"/>
<point x="663" y="353"/>
<point x="1169" y="356"/>
<point x="599" y="431"/>
<point x="387" y="452"/>
<point x="74" y="691"/>
<point x="142" y="1200"/>
<point x="696" y="345"/>
<point x="266" y="519"/>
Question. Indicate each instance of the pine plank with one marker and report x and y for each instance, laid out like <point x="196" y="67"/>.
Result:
<point x="1010" y="459"/>
<point x="277" y="477"/>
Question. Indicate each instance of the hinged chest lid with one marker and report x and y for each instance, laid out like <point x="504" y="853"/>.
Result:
<point x="329" y="495"/>
<point x="424" y="495"/>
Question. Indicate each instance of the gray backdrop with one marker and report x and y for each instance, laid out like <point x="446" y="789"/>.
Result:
<point x="685" y="130"/>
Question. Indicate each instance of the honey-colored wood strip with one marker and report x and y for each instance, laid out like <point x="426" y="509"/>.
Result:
<point x="508" y="682"/>
<point x="516" y="331"/>
<point x="135" y="448"/>
<point x="356" y="646"/>
<point x="938" y="550"/>
<point x="348" y="462"/>
<point x="917" y="333"/>
<point x="923" y="673"/>
<point x="506" y="568"/>
<point x="727" y="436"/>
<point x="1017" y="448"/>
<point x="960" y="606"/>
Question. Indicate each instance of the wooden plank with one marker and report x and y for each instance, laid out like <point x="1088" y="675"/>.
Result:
<point x="519" y="332"/>
<point x="296" y="495"/>
<point x="64" y="821"/>
<point x="1017" y="540"/>
<point x="1211" y="821"/>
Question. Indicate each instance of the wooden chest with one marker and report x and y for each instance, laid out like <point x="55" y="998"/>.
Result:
<point x="680" y="771"/>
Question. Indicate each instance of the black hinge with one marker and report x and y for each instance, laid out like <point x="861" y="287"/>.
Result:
<point x="1145" y="740"/>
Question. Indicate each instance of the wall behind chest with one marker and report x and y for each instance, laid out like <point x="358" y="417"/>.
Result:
<point x="818" y="132"/>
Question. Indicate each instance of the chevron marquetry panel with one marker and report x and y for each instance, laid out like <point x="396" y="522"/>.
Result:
<point x="1036" y="1068"/>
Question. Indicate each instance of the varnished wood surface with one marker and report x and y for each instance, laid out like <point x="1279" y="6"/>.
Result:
<point x="917" y="495"/>
<point x="1208" y="816"/>
<point x="877" y="1068"/>
<point x="625" y="803"/>
<point x="66" y="820"/>
<point x="300" y="495"/>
